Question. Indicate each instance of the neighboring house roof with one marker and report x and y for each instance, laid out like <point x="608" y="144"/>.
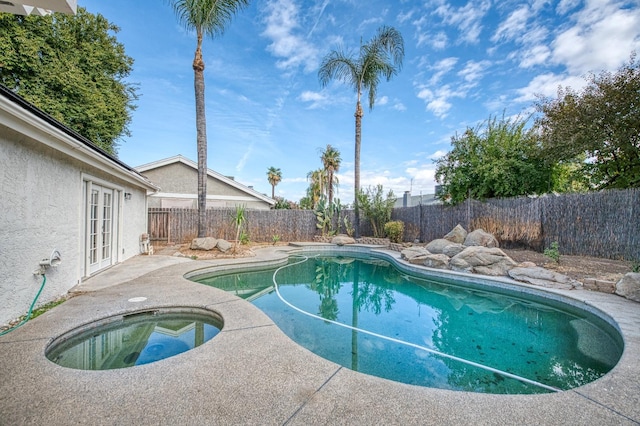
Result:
<point x="18" y="114"/>
<point x="211" y="173"/>
<point x="39" y="7"/>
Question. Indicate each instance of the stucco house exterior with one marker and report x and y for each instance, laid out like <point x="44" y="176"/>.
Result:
<point x="177" y="178"/>
<point x="60" y="192"/>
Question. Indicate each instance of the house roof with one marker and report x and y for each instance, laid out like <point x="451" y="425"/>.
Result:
<point x="39" y="7"/>
<point x="211" y="173"/>
<point x="22" y="116"/>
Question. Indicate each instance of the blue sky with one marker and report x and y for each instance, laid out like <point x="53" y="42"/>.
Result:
<point x="464" y="61"/>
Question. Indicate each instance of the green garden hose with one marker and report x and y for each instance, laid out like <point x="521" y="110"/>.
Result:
<point x="44" y="280"/>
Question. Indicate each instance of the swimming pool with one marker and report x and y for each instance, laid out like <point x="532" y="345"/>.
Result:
<point x="366" y="314"/>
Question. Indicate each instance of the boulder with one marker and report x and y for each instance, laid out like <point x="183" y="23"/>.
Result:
<point x="342" y="240"/>
<point x="629" y="286"/>
<point x="453" y="249"/>
<point x="456" y="235"/>
<point x="482" y="260"/>
<point x="437" y="261"/>
<point x="438" y="246"/>
<point x="414" y="255"/>
<point x="543" y="277"/>
<point x="207" y="243"/>
<point x="480" y="238"/>
<point x="224" y="245"/>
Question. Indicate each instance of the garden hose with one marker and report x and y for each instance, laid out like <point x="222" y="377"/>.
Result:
<point x="44" y="281"/>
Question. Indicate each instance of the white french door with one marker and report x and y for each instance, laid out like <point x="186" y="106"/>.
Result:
<point x="101" y="207"/>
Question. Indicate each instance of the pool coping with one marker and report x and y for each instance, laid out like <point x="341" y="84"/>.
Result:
<point x="252" y="373"/>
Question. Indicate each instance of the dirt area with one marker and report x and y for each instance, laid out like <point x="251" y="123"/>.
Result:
<point x="576" y="267"/>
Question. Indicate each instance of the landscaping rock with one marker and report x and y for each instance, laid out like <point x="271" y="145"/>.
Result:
<point x="415" y="255"/>
<point x="482" y="260"/>
<point x="437" y="261"/>
<point x="207" y="243"/>
<point x="342" y="240"/>
<point x="629" y="286"/>
<point x="438" y="246"/>
<point x="224" y="245"/>
<point x="456" y="235"/>
<point x="480" y="238"/>
<point x="543" y="277"/>
<point x="453" y="249"/>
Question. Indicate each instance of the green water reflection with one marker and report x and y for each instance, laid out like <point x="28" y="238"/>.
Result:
<point x="555" y="345"/>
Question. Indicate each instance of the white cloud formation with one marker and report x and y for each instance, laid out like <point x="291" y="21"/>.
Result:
<point x="547" y="85"/>
<point x="466" y="18"/>
<point x="317" y="99"/>
<point x="586" y="46"/>
<point x="282" y="28"/>
<point x="474" y="71"/>
<point x="535" y="55"/>
<point x="513" y="26"/>
<point x="441" y="68"/>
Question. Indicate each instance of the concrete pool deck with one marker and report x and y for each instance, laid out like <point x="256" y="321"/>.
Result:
<point x="252" y="373"/>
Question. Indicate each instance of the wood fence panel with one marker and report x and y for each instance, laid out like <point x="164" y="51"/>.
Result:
<point x="602" y="224"/>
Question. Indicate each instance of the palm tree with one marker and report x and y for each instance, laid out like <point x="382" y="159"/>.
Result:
<point x="380" y="56"/>
<point x="331" y="161"/>
<point x="206" y="17"/>
<point x="274" y="176"/>
<point x="317" y="179"/>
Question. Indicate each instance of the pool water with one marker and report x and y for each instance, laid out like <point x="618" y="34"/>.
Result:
<point x="133" y="339"/>
<point x="429" y="332"/>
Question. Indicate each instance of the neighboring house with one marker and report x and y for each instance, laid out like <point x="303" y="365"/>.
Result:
<point x="177" y="178"/>
<point x="408" y="200"/>
<point x="39" y="7"/>
<point x="58" y="191"/>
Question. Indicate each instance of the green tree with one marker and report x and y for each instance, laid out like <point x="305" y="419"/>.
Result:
<point x="331" y="161"/>
<point x="498" y="158"/>
<point x="380" y="56"/>
<point x="377" y="208"/>
<point x="274" y="176"/>
<point x="73" y="68"/>
<point x="205" y="17"/>
<point x="317" y="180"/>
<point x="600" y="123"/>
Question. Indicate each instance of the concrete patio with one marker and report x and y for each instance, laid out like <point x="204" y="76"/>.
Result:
<point x="251" y="373"/>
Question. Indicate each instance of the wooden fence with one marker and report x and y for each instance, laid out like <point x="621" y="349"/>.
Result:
<point x="603" y="224"/>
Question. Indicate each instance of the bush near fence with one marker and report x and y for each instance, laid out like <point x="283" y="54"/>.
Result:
<point x="602" y="224"/>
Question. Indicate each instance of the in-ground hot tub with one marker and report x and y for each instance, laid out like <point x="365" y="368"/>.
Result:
<point x="134" y="338"/>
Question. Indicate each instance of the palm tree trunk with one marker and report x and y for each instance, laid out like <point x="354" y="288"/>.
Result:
<point x="330" y="187"/>
<point x="273" y="192"/>
<point x="201" y="131"/>
<point x="356" y="180"/>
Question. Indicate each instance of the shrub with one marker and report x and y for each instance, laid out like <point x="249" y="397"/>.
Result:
<point x="553" y="252"/>
<point x="394" y="230"/>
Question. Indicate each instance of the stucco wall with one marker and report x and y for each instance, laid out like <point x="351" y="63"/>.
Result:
<point x="41" y="210"/>
<point x="178" y="178"/>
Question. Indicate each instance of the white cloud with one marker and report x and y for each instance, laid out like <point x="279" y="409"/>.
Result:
<point x="535" y="55"/>
<point x="282" y="27"/>
<point x="565" y="6"/>
<point x="547" y="85"/>
<point x="382" y="101"/>
<point x="244" y="158"/>
<point x="317" y="99"/>
<point x="441" y="68"/>
<point x="466" y="18"/>
<point x="437" y="154"/>
<point x="587" y="46"/>
<point x="513" y="26"/>
<point x="399" y="106"/>
<point x="437" y="41"/>
<point x="474" y="71"/>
